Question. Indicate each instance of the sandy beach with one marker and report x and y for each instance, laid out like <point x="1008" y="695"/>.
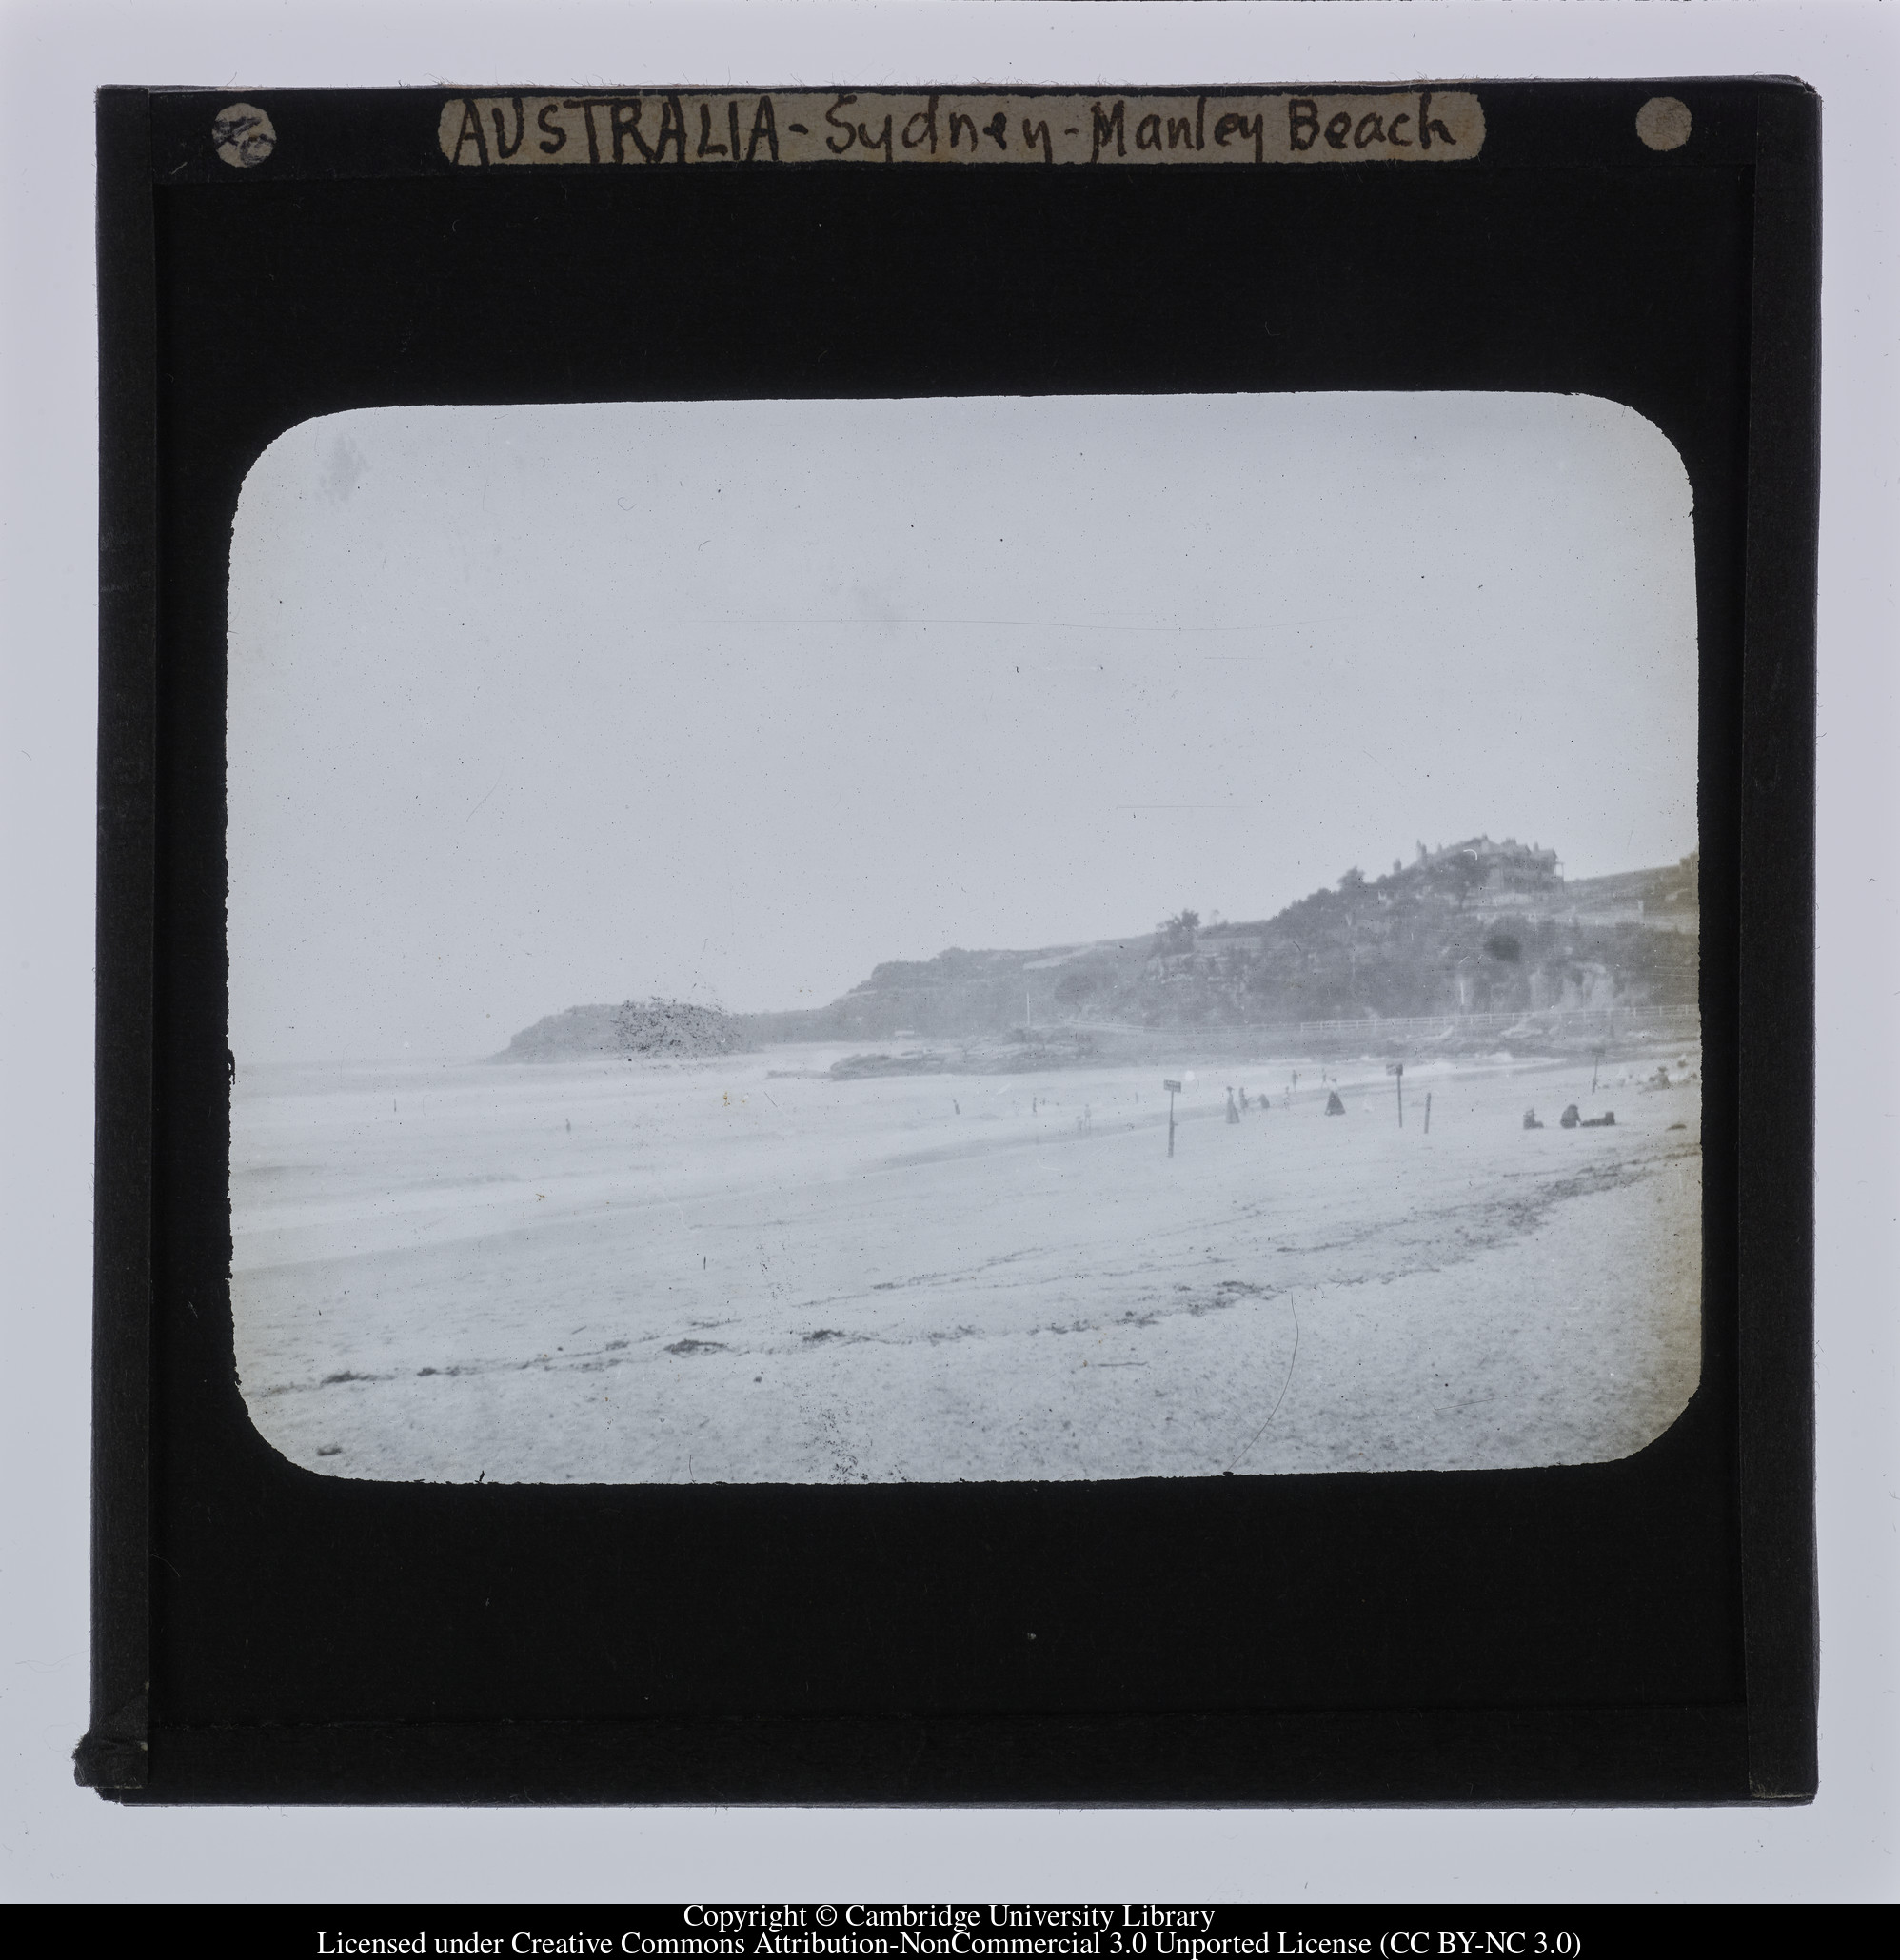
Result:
<point x="744" y="1271"/>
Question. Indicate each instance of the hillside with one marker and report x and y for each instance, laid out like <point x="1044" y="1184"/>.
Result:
<point x="675" y="1028"/>
<point x="1475" y="928"/>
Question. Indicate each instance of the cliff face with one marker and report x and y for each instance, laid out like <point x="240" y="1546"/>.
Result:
<point x="1463" y="931"/>
<point x="956" y="993"/>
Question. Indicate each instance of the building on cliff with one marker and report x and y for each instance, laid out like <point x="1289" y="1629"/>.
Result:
<point x="1501" y="867"/>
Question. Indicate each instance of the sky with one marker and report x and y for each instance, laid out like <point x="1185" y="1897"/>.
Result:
<point x="537" y="705"/>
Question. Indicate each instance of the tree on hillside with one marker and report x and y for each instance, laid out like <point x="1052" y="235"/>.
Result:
<point x="1184" y="921"/>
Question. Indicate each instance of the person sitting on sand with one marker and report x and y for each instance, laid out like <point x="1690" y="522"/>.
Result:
<point x="1531" y="1121"/>
<point x="1333" y="1107"/>
<point x="1570" y="1117"/>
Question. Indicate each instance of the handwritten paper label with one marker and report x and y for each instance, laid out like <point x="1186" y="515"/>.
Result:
<point x="639" y="127"/>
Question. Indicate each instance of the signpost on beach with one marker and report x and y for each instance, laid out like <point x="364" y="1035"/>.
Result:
<point x="1174" y="1089"/>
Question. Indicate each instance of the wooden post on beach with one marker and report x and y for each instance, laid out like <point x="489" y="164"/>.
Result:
<point x="1396" y="1069"/>
<point x="1174" y="1089"/>
<point x="1428" y="1111"/>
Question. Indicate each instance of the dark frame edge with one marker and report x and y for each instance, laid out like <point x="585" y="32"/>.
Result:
<point x="114" y="1754"/>
<point x="1776" y="1229"/>
<point x="1400" y="1758"/>
<point x="1775" y="1226"/>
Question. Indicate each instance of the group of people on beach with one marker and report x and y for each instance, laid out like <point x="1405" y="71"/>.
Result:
<point x="1235" y="1110"/>
<point x="1234" y="1114"/>
<point x="1573" y="1120"/>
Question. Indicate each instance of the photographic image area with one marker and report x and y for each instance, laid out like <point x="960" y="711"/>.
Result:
<point x="934" y="940"/>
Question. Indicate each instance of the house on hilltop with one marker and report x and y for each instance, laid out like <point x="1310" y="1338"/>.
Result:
<point x="1500" y="867"/>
